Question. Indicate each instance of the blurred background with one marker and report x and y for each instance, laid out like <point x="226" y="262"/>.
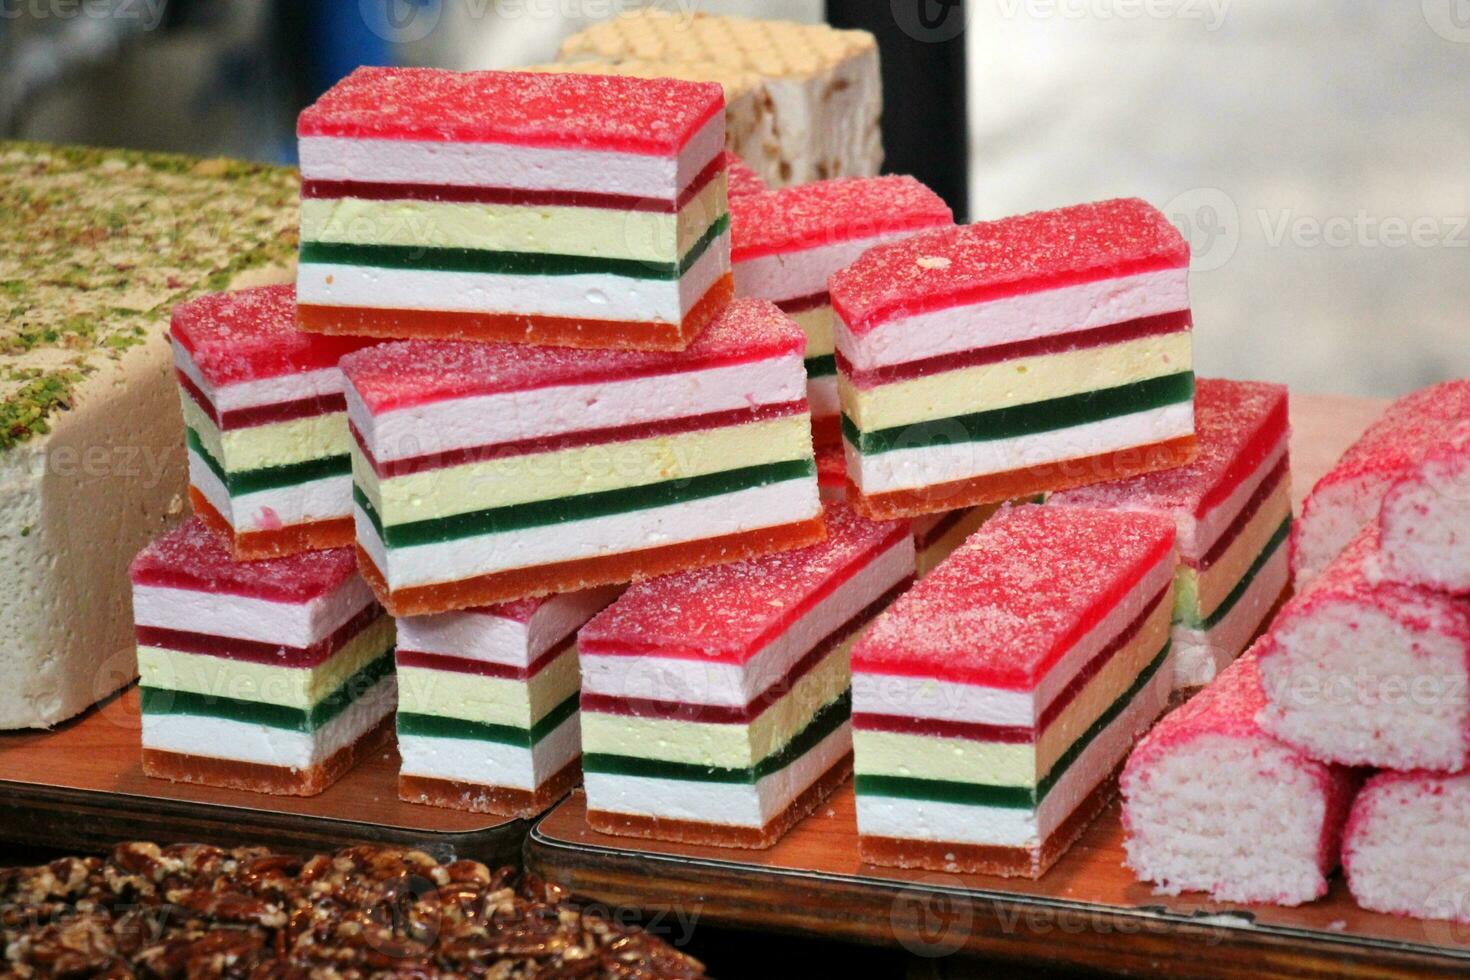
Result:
<point x="1313" y="150"/>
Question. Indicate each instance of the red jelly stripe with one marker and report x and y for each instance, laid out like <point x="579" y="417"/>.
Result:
<point x="989" y="292"/>
<point x="1271" y="433"/>
<point x="900" y="531"/>
<point x="1253" y="506"/>
<point x="1116" y="333"/>
<point x="481" y="668"/>
<point x="803" y="303"/>
<point x="255" y="652"/>
<point x="510" y="196"/>
<point x="246" y="418"/>
<point x="722" y="714"/>
<point x="574" y="440"/>
<point x="937" y="728"/>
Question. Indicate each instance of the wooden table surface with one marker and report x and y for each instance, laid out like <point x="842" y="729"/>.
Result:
<point x="1087" y="912"/>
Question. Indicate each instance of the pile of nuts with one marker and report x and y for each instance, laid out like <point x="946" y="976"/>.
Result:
<point x="198" y="911"/>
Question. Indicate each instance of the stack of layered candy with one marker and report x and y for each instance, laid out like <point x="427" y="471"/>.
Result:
<point x="1343" y="736"/>
<point x="553" y="399"/>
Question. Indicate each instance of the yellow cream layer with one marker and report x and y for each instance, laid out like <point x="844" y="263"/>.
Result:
<point x="940" y="548"/>
<point x="275" y="444"/>
<point x="609" y="233"/>
<point x="1216" y="584"/>
<point x="291" y="687"/>
<point x="492" y="700"/>
<point x="585" y="469"/>
<point x="817" y="324"/>
<point x="1004" y="764"/>
<point x="725" y="746"/>
<point x="1015" y="382"/>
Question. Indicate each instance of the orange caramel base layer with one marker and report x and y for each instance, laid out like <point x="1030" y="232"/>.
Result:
<point x="254" y="777"/>
<point x="724" y="835"/>
<point x="290" y="540"/>
<point x="503" y="801"/>
<point x="1008" y="862"/>
<point x="1012" y="484"/>
<point x="584" y="573"/>
<point x="554" y="331"/>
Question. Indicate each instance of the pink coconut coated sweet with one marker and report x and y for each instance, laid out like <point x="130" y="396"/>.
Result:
<point x="1424" y="521"/>
<point x="740" y="180"/>
<point x="1015" y="596"/>
<point x="994" y="259"/>
<point x="830" y="211"/>
<point x="575" y="111"/>
<point x="193" y="557"/>
<point x="1213" y="803"/>
<point x="1351" y="494"/>
<point x="1367" y="672"/>
<point x="726" y="613"/>
<point x="1406" y="851"/>
<point x="1237" y="423"/>
<point x="251" y="333"/>
<point x="414" y="372"/>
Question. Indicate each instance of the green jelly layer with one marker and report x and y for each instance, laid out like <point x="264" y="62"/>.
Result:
<point x="1012" y="797"/>
<point x="826" y="721"/>
<point x="821" y="367"/>
<point x="1024" y="420"/>
<point x="270" y="477"/>
<point x="506" y="263"/>
<point x="1186" y="605"/>
<point x="587" y="506"/>
<point x="160" y="701"/>
<point x="438" y="726"/>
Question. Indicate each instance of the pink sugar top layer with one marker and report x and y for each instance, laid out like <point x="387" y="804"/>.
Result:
<point x="729" y="612"/>
<point x="251" y="333"/>
<point x="1228" y="707"/>
<point x="1405" y="433"/>
<point x="1010" y="601"/>
<point x="1238" y="425"/>
<point x="193" y="557"/>
<point x="830" y="211"/>
<point x="415" y="372"/>
<point x="740" y="180"/>
<point x="995" y="259"/>
<point x="593" y="112"/>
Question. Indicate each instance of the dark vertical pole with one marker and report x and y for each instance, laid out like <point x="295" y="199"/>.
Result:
<point x="922" y="47"/>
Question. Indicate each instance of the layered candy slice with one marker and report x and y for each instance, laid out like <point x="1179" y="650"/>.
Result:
<point x="1232" y="510"/>
<point x="715" y="702"/>
<point x="1405" y="851"/>
<point x="487" y="704"/>
<point x="1352" y="493"/>
<point x="491" y="472"/>
<point x="1367" y="672"/>
<point x="273" y="676"/>
<point x="994" y="702"/>
<point x="265" y="422"/>
<point x="1002" y="359"/>
<point x="935" y="535"/>
<point x="1212" y="803"/>
<point x="785" y="244"/>
<point x="581" y="210"/>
